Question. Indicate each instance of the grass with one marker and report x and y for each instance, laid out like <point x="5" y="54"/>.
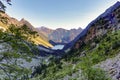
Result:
<point x="38" y="41"/>
<point x="107" y="47"/>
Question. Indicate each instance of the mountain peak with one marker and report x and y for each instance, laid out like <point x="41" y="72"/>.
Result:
<point x="23" y="19"/>
<point x="44" y="28"/>
<point x="60" y="29"/>
<point x="109" y="10"/>
<point x="118" y="2"/>
<point x="85" y="34"/>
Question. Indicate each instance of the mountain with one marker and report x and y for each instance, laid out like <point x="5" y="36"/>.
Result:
<point x="109" y="20"/>
<point x="23" y="21"/>
<point x="60" y="35"/>
<point x="42" y="38"/>
<point x="96" y="49"/>
<point x="44" y="30"/>
<point x="93" y="55"/>
<point x="6" y="21"/>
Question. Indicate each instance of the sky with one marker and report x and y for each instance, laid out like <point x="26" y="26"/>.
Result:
<point x="54" y="14"/>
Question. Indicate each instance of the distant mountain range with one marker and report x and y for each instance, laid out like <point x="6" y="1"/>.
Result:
<point x="59" y="35"/>
<point x="93" y="54"/>
<point x="46" y="36"/>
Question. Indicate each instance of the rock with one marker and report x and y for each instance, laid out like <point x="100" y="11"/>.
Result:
<point x="118" y="76"/>
<point x="111" y="66"/>
<point x="4" y="47"/>
<point x="93" y="45"/>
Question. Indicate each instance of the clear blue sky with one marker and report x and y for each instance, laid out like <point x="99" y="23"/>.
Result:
<point x="58" y="13"/>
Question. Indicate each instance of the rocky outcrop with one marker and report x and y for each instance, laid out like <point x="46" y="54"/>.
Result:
<point x="108" y="21"/>
<point x="4" y="47"/>
<point x="111" y="66"/>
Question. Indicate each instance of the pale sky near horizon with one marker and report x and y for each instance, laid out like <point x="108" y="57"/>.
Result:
<point x="54" y="14"/>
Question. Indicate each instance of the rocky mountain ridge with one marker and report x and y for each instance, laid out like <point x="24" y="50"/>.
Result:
<point x="60" y="35"/>
<point x="109" y="20"/>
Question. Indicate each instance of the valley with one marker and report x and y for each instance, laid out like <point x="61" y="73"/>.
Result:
<point x="30" y="53"/>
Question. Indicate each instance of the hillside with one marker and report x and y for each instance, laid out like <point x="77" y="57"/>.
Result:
<point x="60" y="35"/>
<point x="16" y="51"/>
<point x="6" y="21"/>
<point x="93" y="55"/>
<point x="104" y="23"/>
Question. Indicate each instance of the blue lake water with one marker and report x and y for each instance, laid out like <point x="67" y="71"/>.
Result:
<point x="58" y="47"/>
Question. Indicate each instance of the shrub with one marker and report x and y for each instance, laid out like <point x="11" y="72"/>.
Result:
<point x="108" y="38"/>
<point x="95" y="74"/>
<point x="116" y="45"/>
<point x="97" y="40"/>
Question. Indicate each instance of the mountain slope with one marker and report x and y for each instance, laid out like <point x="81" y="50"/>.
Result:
<point x="42" y="40"/>
<point x="101" y="25"/>
<point x="91" y="52"/>
<point x="44" y="30"/>
<point x="6" y="21"/>
<point x="60" y="35"/>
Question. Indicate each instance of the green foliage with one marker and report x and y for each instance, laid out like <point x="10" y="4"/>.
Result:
<point x="22" y="32"/>
<point x="116" y="45"/>
<point x="95" y="74"/>
<point x="4" y="20"/>
<point x="91" y="73"/>
<point x="58" y="69"/>
<point x="2" y="6"/>
<point x="17" y="39"/>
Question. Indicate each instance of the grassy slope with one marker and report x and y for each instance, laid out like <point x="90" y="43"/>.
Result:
<point x="37" y="40"/>
<point x="14" y="53"/>
<point x="107" y="47"/>
<point x="45" y="43"/>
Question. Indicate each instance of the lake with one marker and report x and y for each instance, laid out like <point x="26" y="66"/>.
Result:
<point x="57" y="47"/>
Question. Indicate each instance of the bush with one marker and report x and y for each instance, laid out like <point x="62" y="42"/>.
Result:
<point x="95" y="74"/>
<point x="91" y="73"/>
<point x="97" y="40"/>
<point x="116" y="45"/>
<point x="108" y="38"/>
